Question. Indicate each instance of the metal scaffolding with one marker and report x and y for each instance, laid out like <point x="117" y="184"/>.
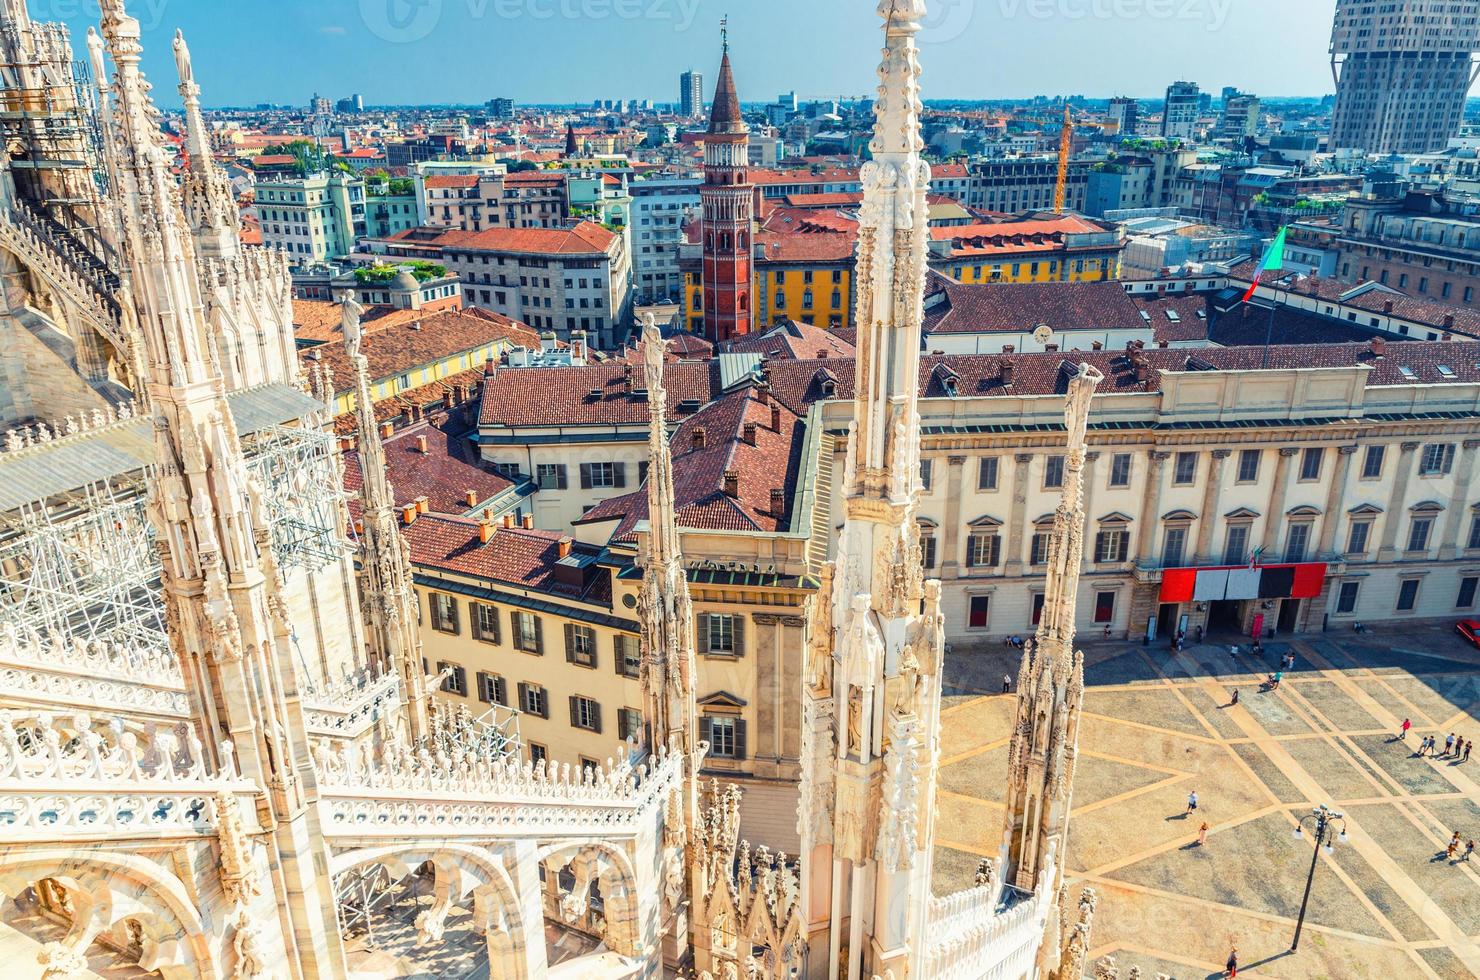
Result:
<point x="302" y="492"/>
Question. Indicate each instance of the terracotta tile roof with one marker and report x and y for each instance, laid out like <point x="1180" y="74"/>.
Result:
<point x="585" y="238"/>
<point x="462" y="385"/>
<point x="798" y="341"/>
<point x="1176" y="317"/>
<point x="1034" y="234"/>
<point x="405" y="346"/>
<point x="944" y="170"/>
<point x="562" y="396"/>
<point x="811" y="247"/>
<point x="699" y="472"/>
<point x="1015" y="307"/>
<point x="444" y="474"/>
<point x="761" y="176"/>
<point x="808" y="221"/>
<point x="514" y="556"/>
<point x="838" y="200"/>
<point x="535" y="178"/>
<point x="450" y="181"/>
<point x="1248" y="326"/>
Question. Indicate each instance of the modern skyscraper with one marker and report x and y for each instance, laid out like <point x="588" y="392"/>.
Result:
<point x="691" y="94"/>
<point x="1402" y="72"/>
<point x="1126" y="113"/>
<point x="728" y="210"/>
<point x="1240" y="115"/>
<point x="1183" y="108"/>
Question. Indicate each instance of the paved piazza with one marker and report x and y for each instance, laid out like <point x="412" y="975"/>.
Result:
<point x="1159" y="725"/>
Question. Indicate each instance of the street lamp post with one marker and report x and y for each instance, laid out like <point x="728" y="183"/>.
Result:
<point x="1326" y="822"/>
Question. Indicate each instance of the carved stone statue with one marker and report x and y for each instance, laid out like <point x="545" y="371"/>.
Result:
<point x="350" y="311"/>
<point x="855" y="721"/>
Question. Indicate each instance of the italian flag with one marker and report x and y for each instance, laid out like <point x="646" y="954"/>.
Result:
<point x="1274" y="261"/>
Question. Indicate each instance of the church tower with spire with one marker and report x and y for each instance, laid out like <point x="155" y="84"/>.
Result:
<point x="871" y="708"/>
<point x="224" y="597"/>
<point x="728" y="212"/>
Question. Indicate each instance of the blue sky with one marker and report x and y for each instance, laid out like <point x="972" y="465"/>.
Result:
<point x="417" y="51"/>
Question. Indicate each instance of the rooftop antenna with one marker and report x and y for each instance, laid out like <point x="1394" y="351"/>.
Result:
<point x="724" y="33"/>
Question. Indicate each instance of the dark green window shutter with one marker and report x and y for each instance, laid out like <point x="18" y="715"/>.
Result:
<point x="739" y="738"/>
<point x="619" y="474"/>
<point x="739" y="635"/>
<point x="703" y="630"/>
<point x="585" y="476"/>
<point x="570" y="643"/>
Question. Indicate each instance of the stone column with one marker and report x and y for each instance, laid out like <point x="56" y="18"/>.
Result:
<point x="769" y="697"/>
<point x="1334" y="499"/>
<point x="1151" y="513"/>
<point x="529" y="944"/>
<point x="793" y="654"/>
<point x="948" y="543"/>
<point x="1392" y="520"/>
<point x="1208" y="519"/>
<point x="1088" y="558"/>
<point x="1018" y="517"/>
<point x="1452" y="543"/>
<point x="1277" y="494"/>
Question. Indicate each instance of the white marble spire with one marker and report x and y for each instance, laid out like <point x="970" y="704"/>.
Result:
<point x="210" y="204"/>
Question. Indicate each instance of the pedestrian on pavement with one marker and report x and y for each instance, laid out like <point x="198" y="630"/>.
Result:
<point x="1449" y="745"/>
<point x="1199" y="633"/>
<point x="1230" y="969"/>
<point x="1279" y="675"/>
<point x="1235" y="696"/>
<point x="1469" y="849"/>
<point x="1453" y="846"/>
<point x="1424" y="744"/>
<point x="1233" y="649"/>
<point x="1191" y="803"/>
<point x="1202" y="834"/>
<point x="1468" y="744"/>
<point x="1406" y="725"/>
<point x="1107" y="631"/>
<point x="1006" y="684"/>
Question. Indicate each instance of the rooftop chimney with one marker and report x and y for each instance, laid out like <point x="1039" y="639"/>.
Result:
<point x="508" y="520"/>
<point x="748" y="433"/>
<point x="447" y="398"/>
<point x="490" y="368"/>
<point x="822" y="355"/>
<point x="1006" y="368"/>
<point x="778" y="502"/>
<point x="421" y="446"/>
<point x="697" y="439"/>
<point x="1096" y="345"/>
<point x="422" y="505"/>
<point x="1379" y="347"/>
<point x="1387" y="306"/>
<point x="1008" y="348"/>
<point x="1449" y="321"/>
<point x="408" y="515"/>
<point x="386" y="430"/>
<point x="775" y="417"/>
<point x="563" y="546"/>
<point x="529" y="522"/>
<point x="732" y="483"/>
<point x="485" y="532"/>
<point x="472" y="498"/>
<point x="1163" y="344"/>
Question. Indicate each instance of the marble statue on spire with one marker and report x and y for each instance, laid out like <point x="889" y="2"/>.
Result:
<point x="387" y="598"/>
<point x="227" y="614"/>
<point x="209" y="202"/>
<point x="872" y="705"/>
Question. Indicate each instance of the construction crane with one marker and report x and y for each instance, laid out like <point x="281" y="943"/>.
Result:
<point x="1066" y="144"/>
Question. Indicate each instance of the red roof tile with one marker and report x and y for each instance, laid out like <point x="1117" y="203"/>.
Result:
<point x="586" y="238"/>
<point x="1015" y="307"/>
<point x="562" y="396"/>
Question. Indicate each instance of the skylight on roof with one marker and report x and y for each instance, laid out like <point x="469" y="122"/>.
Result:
<point x="1406" y="372"/>
<point x="1174" y="316"/>
<point x="1145" y="316"/>
<point x="1446" y="370"/>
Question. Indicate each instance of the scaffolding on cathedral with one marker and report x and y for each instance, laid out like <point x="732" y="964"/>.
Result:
<point x="303" y="505"/>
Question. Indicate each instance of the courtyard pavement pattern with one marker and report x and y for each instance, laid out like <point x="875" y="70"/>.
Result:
<point x="1158" y="725"/>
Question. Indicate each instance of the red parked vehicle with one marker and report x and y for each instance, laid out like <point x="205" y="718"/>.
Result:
<point x="1470" y="630"/>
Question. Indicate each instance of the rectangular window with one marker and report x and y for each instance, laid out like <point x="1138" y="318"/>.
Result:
<point x="725" y="735"/>
<point x="527" y="631"/>
<point x="986" y="475"/>
<point x="627" y="655"/>
<point x="1120" y="470"/>
<point x="457" y="678"/>
<point x="1184" y="472"/>
<point x="1418" y="533"/>
<point x="1437" y="459"/>
<point x="537" y="753"/>
<point x="927" y="551"/>
<point x="983" y="550"/>
<point x="927" y="469"/>
<point x="721" y="634"/>
<point x="550" y="476"/>
<point x="603" y="476"/>
<point x="629" y="724"/>
<point x="485" y="622"/>
<point x="1408" y="595"/>
<point x="1474" y="542"/>
<point x="1297" y="541"/>
<point x="1104" y="607"/>
<point x="1372" y="462"/>
<point x="1038" y="550"/>
<point x="492" y="689"/>
<point x="444" y="612"/>
<point x="1310" y="464"/>
<point x="1248" y="466"/>
<point x="1174" y="547"/>
<point x="580" y="645"/>
<point x="1112" y="545"/>
<point x="979" y="607"/>
<point x="1356" y="539"/>
<point x="585" y="713"/>
<point x="1346" y="601"/>
<point x="1236" y="545"/>
<point x="1053" y="472"/>
<point x="1467" y="588"/>
<point x="509" y="471"/>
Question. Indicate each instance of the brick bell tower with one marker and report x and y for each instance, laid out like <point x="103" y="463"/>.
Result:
<point x="728" y="212"/>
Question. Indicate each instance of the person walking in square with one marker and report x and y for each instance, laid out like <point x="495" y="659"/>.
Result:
<point x="1006" y="684"/>
<point x="1468" y="743"/>
<point x="1453" y="846"/>
<point x="1425" y="744"/>
<point x="1191" y="803"/>
<point x="1230" y="968"/>
<point x="1449" y="745"/>
<point x="1406" y="725"/>
<point x="1202" y="834"/>
<point x="1469" y="849"/>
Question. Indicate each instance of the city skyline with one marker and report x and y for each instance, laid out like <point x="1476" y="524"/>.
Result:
<point x="395" y="52"/>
